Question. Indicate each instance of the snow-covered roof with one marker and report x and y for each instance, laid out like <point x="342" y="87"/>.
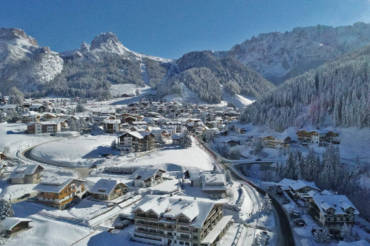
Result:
<point x="111" y="121"/>
<point x="54" y="185"/>
<point x="36" y="105"/>
<point x="139" y="123"/>
<point x="22" y="171"/>
<point x="297" y="184"/>
<point x="8" y="106"/>
<point x="187" y="208"/>
<point x="104" y="186"/>
<point x="340" y="203"/>
<point x="213" y="179"/>
<point x="134" y="134"/>
<point x="146" y="173"/>
<point x="156" y="205"/>
<point x="10" y="222"/>
<point x="167" y="207"/>
<point x="49" y="122"/>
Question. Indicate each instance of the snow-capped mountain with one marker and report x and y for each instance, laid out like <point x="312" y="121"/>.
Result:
<point x="335" y="94"/>
<point x="23" y="63"/>
<point x="108" y="44"/>
<point x="90" y="70"/>
<point x="280" y="56"/>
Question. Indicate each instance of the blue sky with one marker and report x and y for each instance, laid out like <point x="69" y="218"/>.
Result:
<point x="170" y="28"/>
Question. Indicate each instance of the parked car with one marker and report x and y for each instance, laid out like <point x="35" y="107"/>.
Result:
<point x="121" y="223"/>
<point x="299" y="222"/>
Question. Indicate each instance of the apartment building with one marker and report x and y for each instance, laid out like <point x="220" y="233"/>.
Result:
<point x="179" y="221"/>
<point x="134" y="141"/>
<point x="111" y="125"/>
<point x="332" y="210"/>
<point x="50" y="127"/>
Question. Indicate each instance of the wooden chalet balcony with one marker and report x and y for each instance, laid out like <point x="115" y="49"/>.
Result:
<point x="149" y="231"/>
<point x="153" y="225"/>
<point x="146" y="218"/>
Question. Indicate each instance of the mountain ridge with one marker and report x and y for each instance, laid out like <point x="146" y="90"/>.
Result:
<point x="90" y="70"/>
<point x="279" y="56"/>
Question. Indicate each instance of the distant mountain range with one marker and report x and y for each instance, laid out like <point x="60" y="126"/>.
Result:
<point x="279" y="56"/>
<point x="334" y="94"/>
<point x="205" y="76"/>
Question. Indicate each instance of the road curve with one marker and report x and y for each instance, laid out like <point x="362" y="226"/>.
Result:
<point x="286" y="237"/>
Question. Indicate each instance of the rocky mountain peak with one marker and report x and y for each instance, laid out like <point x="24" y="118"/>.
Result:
<point x="108" y="42"/>
<point x="84" y="46"/>
<point x="9" y="34"/>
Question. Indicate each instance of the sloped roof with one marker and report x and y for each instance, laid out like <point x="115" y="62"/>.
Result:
<point x="110" y="121"/>
<point x="104" y="186"/>
<point x="297" y="184"/>
<point x="167" y="207"/>
<point x="157" y="205"/>
<point x="134" y="134"/>
<point x="22" y="171"/>
<point x="340" y="203"/>
<point x="54" y="185"/>
<point x="210" y="178"/>
<point x="146" y="173"/>
<point x="10" y="222"/>
<point x="189" y="209"/>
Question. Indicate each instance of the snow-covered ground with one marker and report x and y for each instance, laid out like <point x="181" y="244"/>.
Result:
<point x="117" y="237"/>
<point x="44" y="231"/>
<point x="192" y="157"/>
<point x="12" y="192"/>
<point x="128" y="89"/>
<point x="80" y="151"/>
<point x="13" y="138"/>
<point x="189" y="96"/>
<point x="237" y="100"/>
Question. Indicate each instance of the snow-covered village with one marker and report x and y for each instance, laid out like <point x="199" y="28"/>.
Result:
<point x="264" y="143"/>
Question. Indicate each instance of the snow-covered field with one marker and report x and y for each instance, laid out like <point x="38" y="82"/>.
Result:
<point x="193" y="157"/>
<point x="44" y="230"/>
<point x="11" y="192"/>
<point x="13" y="138"/>
<point x="80" y="151"/>
<point x="128" y="89"/>
<point x="237" y="100"/>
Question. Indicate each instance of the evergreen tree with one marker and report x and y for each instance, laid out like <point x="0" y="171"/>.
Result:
<point x="80" y="108"/>
<point x="6" y="209"/>
<point x="267" y="204"/>
<point x="16" y="96"/>
<point x="322" y="235"/>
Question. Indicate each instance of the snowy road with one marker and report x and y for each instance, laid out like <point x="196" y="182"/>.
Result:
<point x="283" y="229"/>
